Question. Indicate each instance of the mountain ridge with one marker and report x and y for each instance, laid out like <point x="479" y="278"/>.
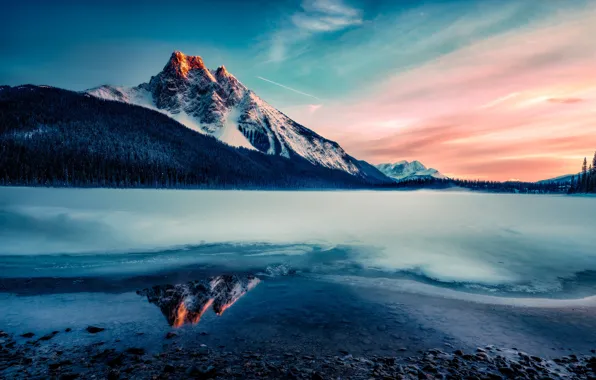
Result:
<point x="565" y="178"/>
<point x="216" y="103"/>
<point x="405" y="171"/>
<point x="55" y="137"/>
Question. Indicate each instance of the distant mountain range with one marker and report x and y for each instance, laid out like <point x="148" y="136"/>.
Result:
<point x="215" y="103"/>
<point x="405" y="171"/>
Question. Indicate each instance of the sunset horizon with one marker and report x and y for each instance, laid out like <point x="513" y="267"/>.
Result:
<point x="476" y="90"/>
<point x="298" y="189"/>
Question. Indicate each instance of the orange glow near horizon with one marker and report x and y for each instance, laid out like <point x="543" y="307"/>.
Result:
<point x="517" y="105"/>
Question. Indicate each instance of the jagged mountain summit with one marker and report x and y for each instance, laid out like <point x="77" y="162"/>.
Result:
<point x="404" y="171"/>
<point x="55" y="137"/>
<point x="214" y="102"/>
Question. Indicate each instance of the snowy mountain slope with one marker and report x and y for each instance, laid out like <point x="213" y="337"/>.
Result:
<point x="561" y="179"/>
<point x="214" y="102"/>
<point x="55" y="137"/>
<point x="404" y="170"/>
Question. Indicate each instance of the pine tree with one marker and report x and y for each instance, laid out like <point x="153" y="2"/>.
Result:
<point x="593" y="175"/>
<point x="584" y="178"/>
<point x="590" y="181"/>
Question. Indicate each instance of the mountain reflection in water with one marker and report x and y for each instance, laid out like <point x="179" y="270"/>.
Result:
<point x="186" y="303"/>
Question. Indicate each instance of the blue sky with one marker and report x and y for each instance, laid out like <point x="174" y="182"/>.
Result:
<point x="377" y="70"/>
<point x="323" y="47"/>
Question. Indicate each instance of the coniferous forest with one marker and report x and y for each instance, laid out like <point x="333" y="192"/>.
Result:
<point x="485" y="186"/>
<point x="585" y="181"/>
<point x="55" y="137"/>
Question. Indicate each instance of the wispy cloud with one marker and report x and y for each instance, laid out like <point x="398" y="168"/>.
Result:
<point x="315" y="17"/>
<point x="288" y="88"/>
<point x="519" y="103"/>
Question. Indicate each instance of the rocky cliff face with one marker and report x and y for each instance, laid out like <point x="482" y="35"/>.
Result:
<point x="214" y="102"/>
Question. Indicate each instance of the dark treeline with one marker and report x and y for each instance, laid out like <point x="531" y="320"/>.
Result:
<point x="54" y="137"/>
<point x="487" y="186"/>
<point x="585" y="181"/>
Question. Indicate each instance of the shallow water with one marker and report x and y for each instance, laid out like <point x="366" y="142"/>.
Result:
<point x="520" y="245"/>
<point x="368" y="271"/>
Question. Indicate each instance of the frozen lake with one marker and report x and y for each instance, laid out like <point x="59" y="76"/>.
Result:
<point x="371" y="270"/>
<point x="480" y="242"/>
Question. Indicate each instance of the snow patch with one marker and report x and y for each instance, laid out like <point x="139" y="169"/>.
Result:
<point x="230" y="134"/>
<point x="214" y="102"/>
<point x="404" y="171"/>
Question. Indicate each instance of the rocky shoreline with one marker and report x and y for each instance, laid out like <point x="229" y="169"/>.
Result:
<point x="39" y="358"/>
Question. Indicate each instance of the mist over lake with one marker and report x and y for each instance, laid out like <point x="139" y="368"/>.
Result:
<point x="488" y="243"/>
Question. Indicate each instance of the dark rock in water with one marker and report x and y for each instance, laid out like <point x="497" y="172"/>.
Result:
<point x="169" y="368"/>
<point x="136" y="351"/>
<point x="507" y="371"/>
<point x="94" y="329"/>
<point x="113" y="374"/>
<point x="207" y="371"/>
<point x="68" y="330"/>
<point x="186" y="303"/>
<point x="28" y="335"/>
<point x="114" y="360"/>
<point x="59" y="364"/>
<point x="48" y="336"/>
<point x="201" y="372"/>
<point x="69" y="376"/>
<point x="192" y="370"/>
<point x="171" y="335"/>
<point x="203" y="350"/>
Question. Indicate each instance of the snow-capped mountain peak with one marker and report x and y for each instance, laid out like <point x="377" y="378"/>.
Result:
<point x="215" y="102"/>
<point x="181" y="64"/>
<point x="221" y="72"/>
<point x="404" y="170"/>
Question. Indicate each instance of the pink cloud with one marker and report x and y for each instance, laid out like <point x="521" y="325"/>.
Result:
<point x="565" y="100"/>
<point x="518" y="105"/>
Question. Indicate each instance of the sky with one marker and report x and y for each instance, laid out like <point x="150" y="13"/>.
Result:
<point x="485" y="89"/>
